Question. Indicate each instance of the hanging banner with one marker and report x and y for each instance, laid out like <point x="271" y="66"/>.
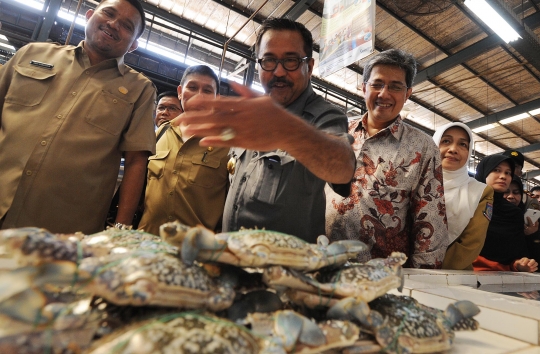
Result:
<point x="346" y="33"/>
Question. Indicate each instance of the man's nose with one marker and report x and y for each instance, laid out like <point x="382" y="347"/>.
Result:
<point x="279" y="70"/>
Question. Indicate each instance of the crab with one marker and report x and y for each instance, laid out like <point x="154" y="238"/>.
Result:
<point x="57" y="328"/>
<point x="185" y="332"/>
<point x="34" y="246"/>
<point x="401" y="324"/>
<point x="190" y="332"/>
<point x="257" y="248"/>
<point x="147" y="278"/>
<point x="365" y="281"/>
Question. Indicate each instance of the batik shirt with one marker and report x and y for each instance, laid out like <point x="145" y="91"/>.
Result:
<point x="396" y="201"/>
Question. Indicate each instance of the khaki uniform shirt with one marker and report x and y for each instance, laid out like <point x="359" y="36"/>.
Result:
<point x="63" y="130"/>
<point x="463" y="251"/>
<point x="186" y="182"/>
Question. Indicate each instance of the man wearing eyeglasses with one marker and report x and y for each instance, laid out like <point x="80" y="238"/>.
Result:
<point x="168" y="107"/>
<point x="186" y="182"/>
<point x="287" y="144"/>
<point x="396" y="201"/>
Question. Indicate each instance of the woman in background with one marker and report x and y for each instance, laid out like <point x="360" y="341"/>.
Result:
<point x="505" y="246"/>
<point x="468" y="202"/>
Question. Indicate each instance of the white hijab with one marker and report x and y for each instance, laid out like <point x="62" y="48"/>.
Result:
<point x="461" y="192"/>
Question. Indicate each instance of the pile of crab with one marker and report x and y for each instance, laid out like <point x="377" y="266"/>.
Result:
<point x="192" y="291"/>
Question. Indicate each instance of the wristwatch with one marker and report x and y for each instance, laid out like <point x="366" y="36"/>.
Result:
<point x="121" y="226"/>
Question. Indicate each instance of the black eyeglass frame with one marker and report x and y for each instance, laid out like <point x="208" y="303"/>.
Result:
<point x="282" y="61"/>
<point x="383" y="85"/>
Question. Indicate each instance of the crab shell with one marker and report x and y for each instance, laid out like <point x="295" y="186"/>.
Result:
<point x="114" y="240"/>
<point x="147" y="278"/>
<point x="180" y="333"/>
<point x="71" y="328"/>
<point x="364" y="281"/>
<point x="258" y="248"/>
<point x="34" y="246"/>
<point x="410" y="327"/>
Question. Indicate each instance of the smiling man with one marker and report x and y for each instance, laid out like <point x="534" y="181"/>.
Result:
<point x="186" y="182"/>
<point x="287" y="144"/>
<point x="397" y="200"/>
<point x="68" y="114"/>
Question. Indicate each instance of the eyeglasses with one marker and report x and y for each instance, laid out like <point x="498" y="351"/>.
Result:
<point x="289" y="64"/>
<point x="172" y="109"/>
<point x="392" y="87"/>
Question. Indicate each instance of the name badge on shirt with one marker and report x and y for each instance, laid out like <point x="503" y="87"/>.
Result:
<point x="488" y="212"/>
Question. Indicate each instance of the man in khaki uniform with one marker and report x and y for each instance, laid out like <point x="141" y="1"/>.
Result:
<point x="67" y="114"/>
<point x="186" y="182"/>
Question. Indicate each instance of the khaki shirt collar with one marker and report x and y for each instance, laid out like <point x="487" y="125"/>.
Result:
<point x="118" y="62"/>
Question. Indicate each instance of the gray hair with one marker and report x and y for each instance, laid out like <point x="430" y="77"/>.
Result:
<point x="395" y="57"/>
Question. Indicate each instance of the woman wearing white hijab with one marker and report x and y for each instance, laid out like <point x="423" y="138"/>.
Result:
<point x="469" y="203"/>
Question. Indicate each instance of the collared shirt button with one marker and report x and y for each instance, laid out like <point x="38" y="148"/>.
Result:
<point x="170" y="217"/>
<point x="170" y="193"/>
<point x="28" y="173"/>
<point x="243" y="179"/>
<point x="43" y="143"/>
<point x="235" y="207"/>
<point x="180" y="154"/>
<point x="174" y="172"/>
<point x="59" y="116"/>
<point x="74" y="93"/>
<point x="87" y="72"/>
<point x="115" y="100"/>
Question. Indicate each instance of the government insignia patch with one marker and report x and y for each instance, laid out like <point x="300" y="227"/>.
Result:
<point x="488" y="212"/>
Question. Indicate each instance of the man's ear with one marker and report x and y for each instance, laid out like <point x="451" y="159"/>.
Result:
<point x="310" y="63"/>
<point x="409" y="93"/>
<point x="134" y="46"/>
<point x="89" y="14"/>
<point x="179" y="90"/>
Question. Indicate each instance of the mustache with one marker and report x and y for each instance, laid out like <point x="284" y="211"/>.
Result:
<point x="282" y="80"/>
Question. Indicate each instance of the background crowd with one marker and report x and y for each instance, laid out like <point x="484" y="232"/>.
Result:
<point x="287" y="161"/>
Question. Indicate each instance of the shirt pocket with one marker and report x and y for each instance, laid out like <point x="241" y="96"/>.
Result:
<point x="109" y="112"/>
<point x="204" y="173"/>
<point x="274" y="169"/>
<point x="156" y="164"/>
<point x="29" y="86"/>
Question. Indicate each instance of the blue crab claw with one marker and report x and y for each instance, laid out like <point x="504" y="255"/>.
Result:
<point x="350" y="308"/>
<point x="460" y="310"/>
<point x="198" y="238"/>
<point x="352" y="247"/>
<point x="293" y="327"/>
<point x="402" y="276"/>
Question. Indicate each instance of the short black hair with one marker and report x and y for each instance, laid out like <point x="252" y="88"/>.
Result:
<point x="166" y="94"/>
<point x="136" y="4"/>
<point x="395" y="57"/>
<point x="201" y="70"/>
<point x="535" y="188"/>
<point x="285" y="24"/>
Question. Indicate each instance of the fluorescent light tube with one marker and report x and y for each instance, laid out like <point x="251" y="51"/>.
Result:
<point x="485" y="127"/>
<point x="514" y="118"/>
<point x="491" y="18"/>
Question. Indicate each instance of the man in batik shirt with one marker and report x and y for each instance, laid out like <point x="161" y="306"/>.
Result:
<point x="396" y="201"/>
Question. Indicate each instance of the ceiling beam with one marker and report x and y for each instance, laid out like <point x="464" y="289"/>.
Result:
<point x="295" y="11"/>
<point x="457" y="59"/>
<point x="206" y="33"/>
<point x="510" y="112"/>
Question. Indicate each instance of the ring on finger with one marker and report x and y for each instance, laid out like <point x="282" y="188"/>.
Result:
<point x="227" y="134"/>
